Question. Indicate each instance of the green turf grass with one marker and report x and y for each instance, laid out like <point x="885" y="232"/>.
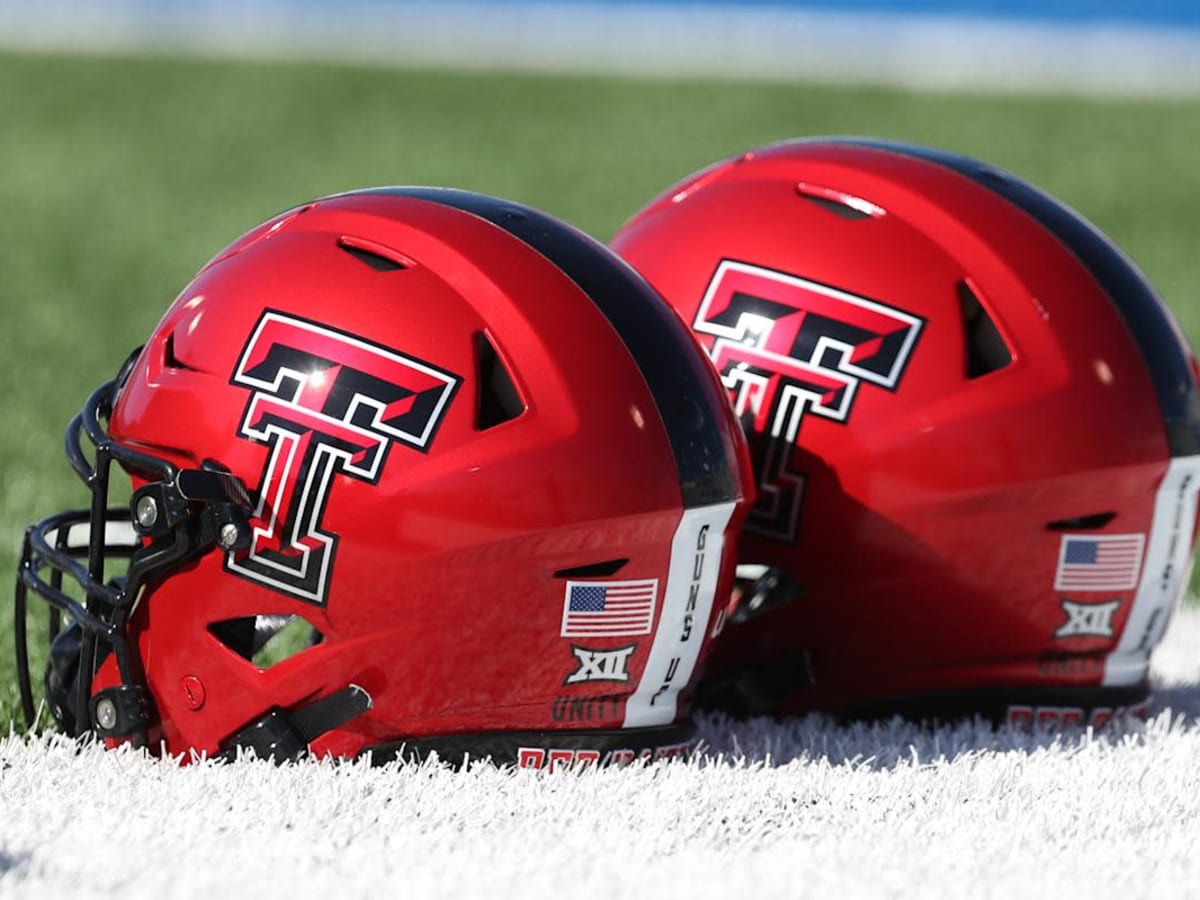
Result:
<point x="119" y="178"/>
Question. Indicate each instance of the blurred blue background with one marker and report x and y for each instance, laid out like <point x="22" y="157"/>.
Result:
<point x="1097" y="46"/>
<point x="1150" y="12"/>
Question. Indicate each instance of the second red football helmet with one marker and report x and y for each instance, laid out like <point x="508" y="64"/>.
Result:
<point x="973" y="423"/>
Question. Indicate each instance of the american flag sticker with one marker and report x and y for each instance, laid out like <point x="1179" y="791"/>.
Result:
<point x="609" y="608"/>
<point x="1109" y="562"/>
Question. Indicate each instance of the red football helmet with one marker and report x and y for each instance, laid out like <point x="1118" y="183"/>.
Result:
<point x="460" y="443"/>
<point x="973" y="424"/>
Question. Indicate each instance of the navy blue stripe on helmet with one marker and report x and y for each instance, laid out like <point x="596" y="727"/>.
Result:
<point x="672" y="364"/>
<point x="1137" y="302"/>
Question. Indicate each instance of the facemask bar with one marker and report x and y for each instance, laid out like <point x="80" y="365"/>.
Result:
<point x="178" y="515"/>
<point x="64" y="559"/>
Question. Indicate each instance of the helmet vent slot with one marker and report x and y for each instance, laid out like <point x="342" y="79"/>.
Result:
<point x="266" y="640"/>
<point x="379" y="258"/>
<point x="593" y="570"/>
<point x="843" y="205"/>
<point x="170" y="360"/>
<point x="497" y="400"/>
<point x="1082" y="523"/>
<point x="986" y="350"/>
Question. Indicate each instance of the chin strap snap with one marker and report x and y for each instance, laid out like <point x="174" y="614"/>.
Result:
<point x="118" y="712"/>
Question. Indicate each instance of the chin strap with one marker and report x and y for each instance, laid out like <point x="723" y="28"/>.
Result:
<point x="756" y="690"/>
<point x="761" y="589"/>
<point x="283" y="737"/>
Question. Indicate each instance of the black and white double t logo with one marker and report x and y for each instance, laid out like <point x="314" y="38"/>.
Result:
<point x="788" y="348"/>
<point x="323" y="402"/>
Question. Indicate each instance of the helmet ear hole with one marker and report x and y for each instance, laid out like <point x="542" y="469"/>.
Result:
<point x="1082" y="523"/>
<point x="593" y="570"/>
<point x="266" y="640"/>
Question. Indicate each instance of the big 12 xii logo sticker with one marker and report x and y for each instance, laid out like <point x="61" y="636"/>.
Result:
<point x="324" y="403"/>
<point x="787" y="348"/>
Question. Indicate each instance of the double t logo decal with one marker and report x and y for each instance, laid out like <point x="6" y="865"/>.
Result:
<point x="786" y="348"/>
<point x="323" y="402"/>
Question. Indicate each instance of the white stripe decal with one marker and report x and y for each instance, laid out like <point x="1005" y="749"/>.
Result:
<point x="1165" y="574"/>
<point x="696" y="553"/>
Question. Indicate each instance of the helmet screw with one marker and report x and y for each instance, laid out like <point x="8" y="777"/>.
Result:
<point x="229" y="535"/>
<point x="147" y="512"/>
<point x="106" y="713"/>
<point x="193" y="691"/>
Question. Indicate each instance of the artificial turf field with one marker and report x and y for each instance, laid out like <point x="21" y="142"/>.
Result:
<point x="120" y="177"/>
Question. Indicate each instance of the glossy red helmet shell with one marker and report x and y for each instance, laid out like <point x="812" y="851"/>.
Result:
<point x="486" y="464"/>
<point x="973" y="424"/>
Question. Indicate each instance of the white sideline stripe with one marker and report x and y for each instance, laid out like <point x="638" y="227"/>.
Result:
<point x="939" y="51"/>
<point x="1165" y="574"/>
<point x="696" y="552"/>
